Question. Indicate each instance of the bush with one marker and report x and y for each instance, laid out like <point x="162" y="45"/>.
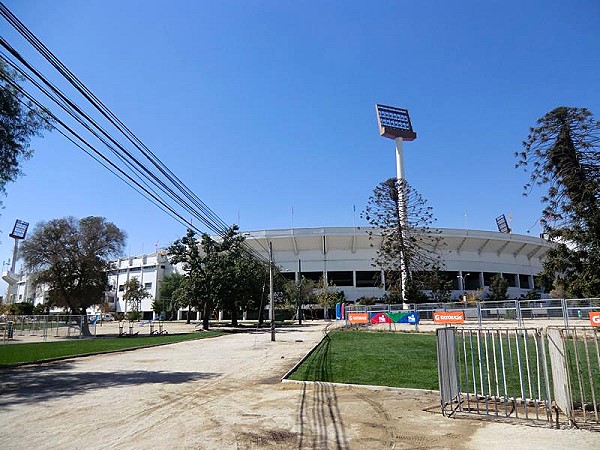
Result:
<point x="23" y="309"/>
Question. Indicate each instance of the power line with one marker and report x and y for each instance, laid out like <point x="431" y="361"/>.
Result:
<point x="178" y="191"/>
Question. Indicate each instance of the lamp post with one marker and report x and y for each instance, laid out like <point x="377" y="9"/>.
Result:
<point x="394" y="123"/>
<point x="463" y="282"/>
<point x="271" y="293"/>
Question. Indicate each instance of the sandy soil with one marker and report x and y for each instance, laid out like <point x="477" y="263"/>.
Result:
<point x="226" y="393"/>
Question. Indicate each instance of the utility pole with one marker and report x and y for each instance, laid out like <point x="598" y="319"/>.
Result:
<point x="299" y="292"/>
<point x="271" y="293"/>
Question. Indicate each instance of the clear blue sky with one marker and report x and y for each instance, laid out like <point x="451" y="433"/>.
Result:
<point x="261" y="106"/>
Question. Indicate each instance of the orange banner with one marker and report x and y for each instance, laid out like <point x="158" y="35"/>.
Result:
<point x="595" y="318"/>
<point x="448" y="317"/>
<point x="358" y="317"/>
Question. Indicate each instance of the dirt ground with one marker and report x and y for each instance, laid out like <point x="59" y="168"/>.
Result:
<point x="226" y="393"/>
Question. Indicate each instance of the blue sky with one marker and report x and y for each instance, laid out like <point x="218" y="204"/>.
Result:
<point x="261" y="106"/>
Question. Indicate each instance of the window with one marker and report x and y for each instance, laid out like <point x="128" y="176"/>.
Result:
<point x="510" y="277"/>
<point x="368" y="278"/>
<point x="340" y="278"/>
<point x="289" y="276"/>
<point x="148" y="286"/>
<point x="524" y="281"/>
<point x="313" y="276"/>
<point x="487" y="277"/>
<point x="121" y="287"/>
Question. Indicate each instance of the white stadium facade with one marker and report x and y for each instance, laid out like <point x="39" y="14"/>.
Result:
<point x="344" y="257"/>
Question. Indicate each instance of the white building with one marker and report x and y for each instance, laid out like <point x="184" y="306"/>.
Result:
<point x="148" y="269"/>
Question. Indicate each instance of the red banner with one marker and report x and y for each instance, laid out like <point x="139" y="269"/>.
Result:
<point x="595" y="318"/>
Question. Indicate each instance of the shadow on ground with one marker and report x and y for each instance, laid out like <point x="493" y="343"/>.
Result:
<point x="43" y="383"/>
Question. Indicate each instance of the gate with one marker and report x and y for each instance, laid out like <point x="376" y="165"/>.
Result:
<point x="521" y="373"/>
<point x="494" y="372"/>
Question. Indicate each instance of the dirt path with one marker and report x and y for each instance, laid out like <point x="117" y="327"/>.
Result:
<point x="225" y="393"/>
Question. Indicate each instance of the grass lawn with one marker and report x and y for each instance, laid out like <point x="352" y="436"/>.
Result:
<point x="377" y="358"/>
<point x="25" y="353"/>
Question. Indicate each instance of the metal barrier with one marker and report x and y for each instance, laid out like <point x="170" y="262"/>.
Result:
<point x="518" y="313"/>
<point x="63" y="325"/>
<point x="575" y="358"/>
<point x="494" y="372"/>
<point x="544" y="375"/>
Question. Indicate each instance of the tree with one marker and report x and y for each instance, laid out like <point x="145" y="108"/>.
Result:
<point x="298" y="293"/>
<point x="440" y="286"/>
<point x="562" y="154"/>
<point x="414" y="239"/>
<point x="326" y="295"/>
<point x="193" y="289"/>
<point x="498" y="288"/>
<point x="133" y="296"/>
<point x="71" y="257"/>
<point x="20" y="121"/>
<point x="236" y="277"/>
<point x="167" y="300"/>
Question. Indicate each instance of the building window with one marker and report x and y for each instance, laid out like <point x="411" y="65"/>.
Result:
<point x="368" y="278"/>
<point x="487" y="277"/>
<point x="340" y="278"/>
<point x="313" y="276"/>
<point x="288" y="276"/>
<point x="121" y="287"/>
<point x="510" y="277"/>
<point x="148" y="286"/>
<point x="524" y="281"/>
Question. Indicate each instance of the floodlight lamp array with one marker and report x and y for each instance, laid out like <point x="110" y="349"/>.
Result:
<point x="502" y="224"/>
<point x="394" y="123"/>
<point x="19" y="230"/>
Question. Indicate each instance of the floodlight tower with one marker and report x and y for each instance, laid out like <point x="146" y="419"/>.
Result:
<point x="394" y="123"/>
<point x="18" y="233"/>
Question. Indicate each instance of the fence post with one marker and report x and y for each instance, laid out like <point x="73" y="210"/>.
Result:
<point x="479" y="314"/>
<point x="518" y="314"/>
<point x="565" y="311"/>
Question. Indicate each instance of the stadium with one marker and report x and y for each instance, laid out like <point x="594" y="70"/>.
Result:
<point x="343" y="256"/>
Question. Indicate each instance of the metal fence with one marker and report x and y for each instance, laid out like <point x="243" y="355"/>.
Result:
<point x="519" y="313"/>
<point x="43" y="326"/>
<point x="545" y="375"/>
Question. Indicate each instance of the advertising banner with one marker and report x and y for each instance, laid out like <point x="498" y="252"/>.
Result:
<point x="358" y="317"/>
<point x="449" y="317"/>
<point x="397" y="317"/>
<point x="380" y="318"/>
<point x="595" y="318"/>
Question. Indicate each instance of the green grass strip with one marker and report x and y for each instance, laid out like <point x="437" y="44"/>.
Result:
<point x="11" y="354"/>
<point x="375" y="358"/>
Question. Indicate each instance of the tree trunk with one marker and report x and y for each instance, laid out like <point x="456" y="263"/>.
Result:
<point x="189" y="314"/>
<point x="234" y="316"/>
<point x="85" y="326"/>
<point x="206" y="317"/>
